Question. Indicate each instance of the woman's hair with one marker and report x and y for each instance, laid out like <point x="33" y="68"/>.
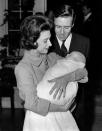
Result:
<point x="31" y="27"/>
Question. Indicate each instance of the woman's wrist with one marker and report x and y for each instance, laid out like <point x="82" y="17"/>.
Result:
<point x="55" y="108"/>
<point x="70" y="77"/>
<point x="80" y="74"/>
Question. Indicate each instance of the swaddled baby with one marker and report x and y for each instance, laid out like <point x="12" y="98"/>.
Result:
<point x="72" y="62"/>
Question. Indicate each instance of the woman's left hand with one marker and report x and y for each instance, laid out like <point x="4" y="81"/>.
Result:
<point x="59" y="88"/>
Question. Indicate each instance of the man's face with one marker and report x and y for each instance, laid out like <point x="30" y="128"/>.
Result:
<point x="63" y="27"/>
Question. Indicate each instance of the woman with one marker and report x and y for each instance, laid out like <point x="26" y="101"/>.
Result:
<point x="40" y="113"/>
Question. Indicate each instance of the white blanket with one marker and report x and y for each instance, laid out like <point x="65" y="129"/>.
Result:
<point x="61" y="68"/>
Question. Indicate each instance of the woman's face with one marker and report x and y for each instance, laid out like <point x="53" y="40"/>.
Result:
<point x="44" y="42"/>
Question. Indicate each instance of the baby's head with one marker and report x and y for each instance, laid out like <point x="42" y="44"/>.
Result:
<point x="77" y="56"/>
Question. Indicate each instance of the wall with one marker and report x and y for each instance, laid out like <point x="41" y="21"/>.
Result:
<point x="3" y="7"/>
<point x="17" y="101"/>
<point x="40" y="6"/>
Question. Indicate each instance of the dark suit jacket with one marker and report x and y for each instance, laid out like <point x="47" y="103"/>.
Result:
<point x="78" y="43"/>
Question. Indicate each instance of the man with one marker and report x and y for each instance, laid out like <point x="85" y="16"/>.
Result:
<point x="64" y="18"/>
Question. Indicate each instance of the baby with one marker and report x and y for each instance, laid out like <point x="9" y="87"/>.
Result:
<point x="72" y="62"/>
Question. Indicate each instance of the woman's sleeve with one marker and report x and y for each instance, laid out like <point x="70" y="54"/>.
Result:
<point x="52" y="58"/>
<point x="27" y="87"/>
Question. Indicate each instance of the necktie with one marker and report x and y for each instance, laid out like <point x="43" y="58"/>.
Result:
<point x="63" y="49"/>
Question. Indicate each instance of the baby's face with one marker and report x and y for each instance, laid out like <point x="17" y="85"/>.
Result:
<point x="77" y="56"/>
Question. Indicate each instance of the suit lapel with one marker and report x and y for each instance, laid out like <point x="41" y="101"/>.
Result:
<point x="57" y="44"/>
<point x="72" y="47"/>
<point x="73" y="43"/>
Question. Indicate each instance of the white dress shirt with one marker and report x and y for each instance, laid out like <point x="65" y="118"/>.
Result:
<point x="67" y="42"/>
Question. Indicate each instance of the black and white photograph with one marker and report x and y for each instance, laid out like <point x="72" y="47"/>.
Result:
<point x="50" y="65"/>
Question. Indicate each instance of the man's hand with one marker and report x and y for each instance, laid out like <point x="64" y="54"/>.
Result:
<point x="59" y="88"/>
<point x="81" y="75"/>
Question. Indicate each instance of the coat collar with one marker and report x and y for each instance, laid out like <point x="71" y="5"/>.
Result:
<point x="34" y="59"/>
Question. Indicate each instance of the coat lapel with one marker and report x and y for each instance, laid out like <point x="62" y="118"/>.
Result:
<point x="73" y="43"/>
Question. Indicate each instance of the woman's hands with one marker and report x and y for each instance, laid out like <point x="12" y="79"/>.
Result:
<point x="59" y="87"/>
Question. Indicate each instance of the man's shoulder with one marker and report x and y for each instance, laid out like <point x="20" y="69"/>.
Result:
<point x="80" y="37"/>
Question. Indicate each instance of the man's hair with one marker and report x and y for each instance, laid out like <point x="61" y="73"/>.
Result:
<point x="65" y="11"/>
<point x="31" y="27"/>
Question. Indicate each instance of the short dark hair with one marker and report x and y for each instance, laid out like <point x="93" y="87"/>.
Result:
<point x="64" y="10"/>
<point x="31" y="27"/>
